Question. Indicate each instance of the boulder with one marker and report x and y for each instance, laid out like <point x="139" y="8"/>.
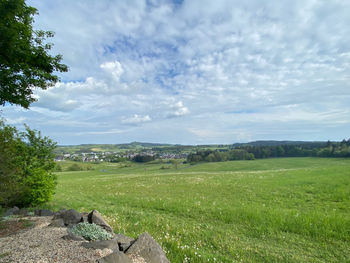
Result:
<point x="115" y="257"/>
<point x="96" y="218"/>
<point x="71" y="236"/>
<point x="57" y="223"/>
<point x="12" y="211"/>
<point x="59" y="213"/>
<point x="22" y="212"/>
<point x="146" y="247"/>
<point x="101" y="244"/>
<point x="43" y="212"/>
<point x="84" y="217"/>
<point x="124" y="241"/>
<point x="70" y="217"/>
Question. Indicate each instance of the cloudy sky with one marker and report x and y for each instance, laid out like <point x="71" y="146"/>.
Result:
<point x="195" y="71"/>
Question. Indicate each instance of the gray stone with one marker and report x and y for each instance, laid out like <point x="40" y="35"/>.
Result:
<point x="96" y="218"/>
<point x="101" y="244"/>
<point x="116" y="257"/>
<point x="124" y="241"/>
<point x="84" y="217"/>
<point x="59" y="213"/>
<point x="146" y="247"/>
<point x="57" y="223"/>
<point x="12" y="211"/>
<point x="71" y="236"/>
<point x="43" y="212"/>
<point x="71" y="217"/>
<point x="22" y="212"/>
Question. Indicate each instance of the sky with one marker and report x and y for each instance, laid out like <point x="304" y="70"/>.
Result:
<point x="194" y="72"/>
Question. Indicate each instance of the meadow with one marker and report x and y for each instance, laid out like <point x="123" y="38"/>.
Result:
<point x="271" y="210"/>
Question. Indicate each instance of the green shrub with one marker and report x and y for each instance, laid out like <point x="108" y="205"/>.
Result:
<point x="58" y="168"/>
<point x="39" y="186"/>
<point x="75" y="167"/>
<point x="90" y="231"/>
<point x="26" y="165"/>
<point x="89" y="168"/>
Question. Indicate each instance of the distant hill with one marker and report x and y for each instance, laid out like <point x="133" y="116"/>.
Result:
<point x="108" y="147"/>
<point x="140" y="146"/>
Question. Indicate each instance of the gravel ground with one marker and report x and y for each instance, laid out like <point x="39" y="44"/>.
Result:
<point x="44" y="244"/>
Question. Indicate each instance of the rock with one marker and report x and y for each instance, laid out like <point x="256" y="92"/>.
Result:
<point x="96" y="218"/>
<point x="84" y="217"/>
<point x="46" y="212"/>
<point x="71" y="217"/>
<point x="12" y="211"/>
<point x="124" y="241"/>
<point x="71" y="236"/>
<point x="115" y="257"/>
<point x="101" y="244"/>
<point x="43" y="212"/>
<point x="57" y="223"/>
<point x="146" y="247"/>
<point x="59" y="213"/>
<point x="22" y="212"/>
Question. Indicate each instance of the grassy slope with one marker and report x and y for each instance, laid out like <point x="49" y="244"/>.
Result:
<point x="274" y="210"/>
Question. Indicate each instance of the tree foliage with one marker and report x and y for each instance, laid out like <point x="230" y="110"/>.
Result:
<point x="143" y="158"/>
<point x="219" y="156"/>
<point x="25" y="62"/>
<point x="26" y="165"/>
<point x="329" y="149"/>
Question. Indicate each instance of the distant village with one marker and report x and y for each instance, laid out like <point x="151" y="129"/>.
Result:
<point x="116" y="156"/>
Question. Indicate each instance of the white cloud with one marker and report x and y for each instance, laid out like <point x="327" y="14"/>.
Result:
<point x="114" y="69"/>
<point x="136" y="119"/>
<point x="108" y="132"/>
<point x="178" y="109"/>
<point x="14" y="121"/>
<point x="198" y="61"/>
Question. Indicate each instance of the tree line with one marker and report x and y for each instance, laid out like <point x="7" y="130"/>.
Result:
<point x="219" y="156"/>
<point x="249" y="152"/>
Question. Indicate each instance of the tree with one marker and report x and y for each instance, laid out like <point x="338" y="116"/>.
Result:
<point x="175" y="163"/>
<point x="26" y="165"/>
<point x="25" y="62"/>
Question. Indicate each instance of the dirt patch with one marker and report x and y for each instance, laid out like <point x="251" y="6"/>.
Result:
<point x="14" y="226"/>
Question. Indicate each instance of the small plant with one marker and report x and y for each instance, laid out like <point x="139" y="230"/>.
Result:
<point x="2" y="255"/>
<point x="90" y="231"/>
<point x="26" y="223"/>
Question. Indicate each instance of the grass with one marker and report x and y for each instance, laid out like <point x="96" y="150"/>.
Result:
<point x="273" y="210"/>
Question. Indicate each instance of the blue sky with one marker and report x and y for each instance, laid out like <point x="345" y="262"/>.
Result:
<point x="195" y="72"/>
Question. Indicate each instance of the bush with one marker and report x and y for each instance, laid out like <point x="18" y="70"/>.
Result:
<point x="58" y="168"/>
<point x="75" y="167"/>
<point x="40" y="186"/>
<point x="90" y="231"/>
<point x="89" y="168"/>
<point x="26" y="165"/>
<point x="143" y="158"/>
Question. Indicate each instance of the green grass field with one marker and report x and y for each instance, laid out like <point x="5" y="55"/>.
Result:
<point x="272" y="210"/>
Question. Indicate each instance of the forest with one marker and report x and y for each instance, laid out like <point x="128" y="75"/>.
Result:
<point x="251" y="152"/>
